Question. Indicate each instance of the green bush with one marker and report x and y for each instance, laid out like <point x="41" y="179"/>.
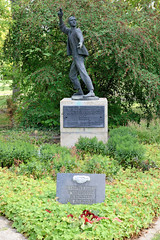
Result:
<point x="147" y="134"/>
<point x="123" y="131"/>
<point x="10" y="152"/>
<point x="67" y="163"/>
<point x="31" y="135"/>
<point x="50" y="160"/>
<point x="123" y="145"/>
<point x="48" y="151"/>
<point x="129" y="154"/>
<point x="33" y="168"/>
<point x="91" y="145"/>
<point x="64" y="163"/>
<point x="101" y="164"/>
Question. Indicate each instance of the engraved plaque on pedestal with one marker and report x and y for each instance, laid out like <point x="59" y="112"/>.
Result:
<point x="78" y="188"/>
<point x="83" y="116"/>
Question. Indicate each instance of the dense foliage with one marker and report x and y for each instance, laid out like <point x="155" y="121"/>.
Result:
<point x="147" y="134"/>
<point x="5" y="20"/>
<point x="131" y="202"/>
<point x="26" y="155"/>
<point x="123" y="43"/>
<point x="5" y="23"/>
<point x="15" y="151"/>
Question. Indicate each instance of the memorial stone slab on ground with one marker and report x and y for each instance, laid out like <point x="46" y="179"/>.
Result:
<point x="78" y="188"/>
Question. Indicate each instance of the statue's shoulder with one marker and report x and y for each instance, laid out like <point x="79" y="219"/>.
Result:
<point x="78" y="30"/>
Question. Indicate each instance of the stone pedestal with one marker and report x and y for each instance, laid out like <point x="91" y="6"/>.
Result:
<point x="83" y="118"/>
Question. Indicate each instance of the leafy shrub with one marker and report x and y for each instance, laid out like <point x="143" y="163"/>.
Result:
<point x="101" y="164"/>
<point x="64" y="163"/>
<point x="119" y="117"/>
<point x="48" y="151"/>
<point x="124" y="146"/>
<point x="147" y="134"/>
<point x="129" y="154"/>
<point x="91" y="145"/>
<point x="49" y="160"/>
<point x="33" y="168"/>
<point x="38" y="113"/>
<point x="53" y="159"/>
<point x="123" y="131"/>
<point x="31" y="135"/>
<point x="123" y="62"/>
<point x="18" y="150"/>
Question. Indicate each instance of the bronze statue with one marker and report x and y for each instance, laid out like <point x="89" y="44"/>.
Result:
<point x="76" y="48"/>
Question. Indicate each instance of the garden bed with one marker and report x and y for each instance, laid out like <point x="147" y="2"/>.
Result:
<point x="132" y="202"/>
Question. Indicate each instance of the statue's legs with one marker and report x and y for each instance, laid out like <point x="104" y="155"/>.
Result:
<point x="73" y="76"/>
<point x="78" y="66"/>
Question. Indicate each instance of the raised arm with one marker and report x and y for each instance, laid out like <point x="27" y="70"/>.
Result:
<point x="61" y="23"/>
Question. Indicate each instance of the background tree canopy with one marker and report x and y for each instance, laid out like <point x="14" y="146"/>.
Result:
<point x="123" y="39"/>
<point x="5" y="21"/>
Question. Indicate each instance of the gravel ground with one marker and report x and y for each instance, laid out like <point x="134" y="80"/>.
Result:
<point x="7" y="232"/>
<point x="148" y="234"/>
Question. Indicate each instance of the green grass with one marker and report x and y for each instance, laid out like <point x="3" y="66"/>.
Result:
<point x="133" y="199"/>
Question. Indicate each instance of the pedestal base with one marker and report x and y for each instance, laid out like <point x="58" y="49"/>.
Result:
<point x="83" y="119"/>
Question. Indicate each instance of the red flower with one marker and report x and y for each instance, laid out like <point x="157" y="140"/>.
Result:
<point x="87" y="213"/>
<point x="48" y="211"/>
<point x="87" y="220"/>
<point x="70" y="215"/>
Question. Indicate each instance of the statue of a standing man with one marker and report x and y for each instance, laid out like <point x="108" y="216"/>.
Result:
<point x="76" y="48"/>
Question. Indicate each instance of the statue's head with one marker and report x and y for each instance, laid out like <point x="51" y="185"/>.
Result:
<point x="72" y="21"/>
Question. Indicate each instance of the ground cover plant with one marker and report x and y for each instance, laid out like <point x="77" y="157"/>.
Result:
<point x="28" y="188"/>
<point x="153" y="153"/>
<point x="131" y="203"/>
